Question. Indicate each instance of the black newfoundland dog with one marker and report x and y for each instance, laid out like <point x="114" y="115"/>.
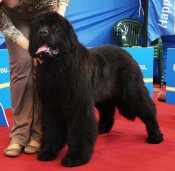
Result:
<point x="71" y="80"/>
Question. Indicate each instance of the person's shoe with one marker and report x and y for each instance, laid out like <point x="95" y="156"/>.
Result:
<point x="13" y="150"/>
<point x="32" y="147"/>
<point x="161" y="96"/>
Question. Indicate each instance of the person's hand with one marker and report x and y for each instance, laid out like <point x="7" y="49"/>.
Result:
<point x="37" y="61"/>
<point x="61" y="10"/>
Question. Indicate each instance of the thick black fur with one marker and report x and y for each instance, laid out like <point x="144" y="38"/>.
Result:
<point x="74" y="80"/>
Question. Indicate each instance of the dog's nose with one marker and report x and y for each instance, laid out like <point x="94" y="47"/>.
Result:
<point x="43" y="32"/>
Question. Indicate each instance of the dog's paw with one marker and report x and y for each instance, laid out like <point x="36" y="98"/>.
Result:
<point x="102" y="128"/>
<point x="103" y="131"/>
<point x="155" y="139"/>
<point x="46" y="155"/>
<point x="72" y="161"/>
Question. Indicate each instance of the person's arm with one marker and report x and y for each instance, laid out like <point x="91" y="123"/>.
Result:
<point x="62" y="6"/>
<point x="10" y="32"/>
<point x="22" y="42"/>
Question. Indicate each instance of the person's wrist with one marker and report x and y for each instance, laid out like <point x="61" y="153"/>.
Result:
<point x="61" y="10"/>
<point x="23" y="42"/>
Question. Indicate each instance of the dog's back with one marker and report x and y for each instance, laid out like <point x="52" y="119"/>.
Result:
<point x="115" y="67"/>
<point x="116" y="59"/>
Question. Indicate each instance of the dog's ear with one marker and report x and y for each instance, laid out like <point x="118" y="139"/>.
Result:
<point x="34" y="25"/>
<point x="73" y="40"/>
<point x="32" y="34"/>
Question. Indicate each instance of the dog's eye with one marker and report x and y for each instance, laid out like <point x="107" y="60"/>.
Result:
<point x="55" y="52"/>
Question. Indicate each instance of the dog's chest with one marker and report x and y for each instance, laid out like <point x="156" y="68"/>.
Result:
<point x="54" y="80"/>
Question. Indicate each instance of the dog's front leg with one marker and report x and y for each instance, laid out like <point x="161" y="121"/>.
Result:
<point x="54" y="135"/>
<point x="82" y="133"/>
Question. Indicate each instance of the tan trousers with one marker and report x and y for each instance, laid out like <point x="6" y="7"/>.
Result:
<point x="25" y="104"/>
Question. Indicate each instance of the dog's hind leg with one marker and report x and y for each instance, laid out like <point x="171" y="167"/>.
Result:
<point x="106" y="116"/>
<point x="82" y="133"/>
<point x="147" y="113"/>
<point x="136" y="101"/>
<point x="154" y="134"/>
<point x="53" y="138"/>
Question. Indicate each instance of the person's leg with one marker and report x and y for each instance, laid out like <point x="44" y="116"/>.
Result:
<point x="35" y="132"/>
<point x="22" y="93"/>
<point x="21" y="97"/>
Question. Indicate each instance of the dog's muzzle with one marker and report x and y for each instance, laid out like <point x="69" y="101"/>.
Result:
<point x="45" y="49"/>
<point x="43" y="32"/>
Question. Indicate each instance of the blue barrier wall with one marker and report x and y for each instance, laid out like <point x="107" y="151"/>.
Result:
<point x="170" y="81"/>
<point x="168" y="42"/>
<point x="144" y="58"/>
<point x="4" y="79"/>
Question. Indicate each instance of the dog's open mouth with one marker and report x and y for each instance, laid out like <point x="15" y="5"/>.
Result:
<point x="48" y="50"/>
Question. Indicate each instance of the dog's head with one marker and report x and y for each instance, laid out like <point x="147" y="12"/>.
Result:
<point x="51" y="36"/>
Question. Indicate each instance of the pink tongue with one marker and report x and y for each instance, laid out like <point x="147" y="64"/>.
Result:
<point x="42" y="49"/>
